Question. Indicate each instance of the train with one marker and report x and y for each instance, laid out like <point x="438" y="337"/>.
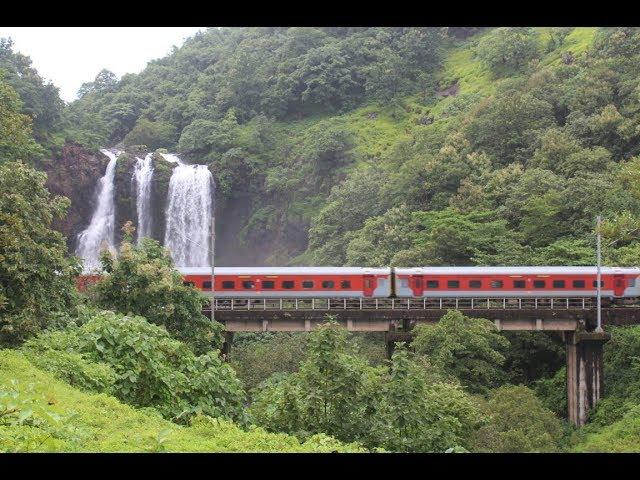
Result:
<point x="617" y="283"/>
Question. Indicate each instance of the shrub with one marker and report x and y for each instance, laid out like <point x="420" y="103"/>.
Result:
<point x="151" y="368"/>
<point x="518" y="423"/>
<point x="469" y="349"/>
<point x="142" y="281"/>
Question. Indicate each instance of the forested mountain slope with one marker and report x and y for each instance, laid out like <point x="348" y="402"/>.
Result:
<point x="375" y="146"/>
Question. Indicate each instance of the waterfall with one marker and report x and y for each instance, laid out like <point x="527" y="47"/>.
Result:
<point x="189" y="213"/>
<point x="143" y="173"/>
<point x="99" y="233"/>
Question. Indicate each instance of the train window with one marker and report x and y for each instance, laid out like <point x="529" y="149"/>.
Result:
<point x="539" y="284"/>
<point x="519" y="284"/>
<point x="404" y="283"/>
<point x="268" y="284"/>
<point x="631" y="282"/>
<point x="558" y="284"/>
<point x="433" y="283"/>
<point x="497" y="283"/>
<point x="453" y="284"/>
<point x="228" y="284"/>
<point x="475" y="284"/>
<point x="368" y="283"/>
<point x="206" y="285"/>
<point x="345" y="284"/>
<point x="307" y="284"/>
<point x="188" y="284"/>
<point x="328" y="284"/>
<point x="595" y="283"/>
<point x="578" y="284"/>
<point x="248" y="284"/>
<point x="287" y="284"/>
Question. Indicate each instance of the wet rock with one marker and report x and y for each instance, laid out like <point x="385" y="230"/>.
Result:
<point x="449" y="91"/>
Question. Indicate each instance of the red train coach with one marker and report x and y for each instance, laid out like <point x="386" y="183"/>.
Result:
<point x="292" y="281"/>
<point x="515" y="282"/>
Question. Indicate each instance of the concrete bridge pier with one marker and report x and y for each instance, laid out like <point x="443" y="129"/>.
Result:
<point x="225" y="351"/>
<point x="584" y="372"/>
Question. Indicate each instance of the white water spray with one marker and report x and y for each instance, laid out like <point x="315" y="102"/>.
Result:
<point x="189" y="213"/>
<point x="143" y="174"/>
<point x="99" y="234"/>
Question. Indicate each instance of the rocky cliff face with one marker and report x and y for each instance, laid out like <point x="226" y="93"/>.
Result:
<point x="73" y="173"/>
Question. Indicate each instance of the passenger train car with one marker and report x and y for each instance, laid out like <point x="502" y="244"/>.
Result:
<point x="416" y="282"/>
<point x="285" y="282"/>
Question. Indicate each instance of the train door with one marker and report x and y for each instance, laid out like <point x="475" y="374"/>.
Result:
<point x="417" y="285"/>
<point x="368" y="285"/>
<point x="618" y="285"/>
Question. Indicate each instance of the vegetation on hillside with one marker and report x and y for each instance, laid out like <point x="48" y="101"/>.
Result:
<point x="342" y="146"/>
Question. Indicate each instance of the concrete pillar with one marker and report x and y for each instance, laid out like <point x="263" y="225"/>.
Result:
<point x="584" y="372"/>
<point x="390" y="342"/>
<point x="225" y="351"/>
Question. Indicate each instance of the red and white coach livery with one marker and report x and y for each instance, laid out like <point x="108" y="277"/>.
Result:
<point x="415" y="282"/>
<point x="515" y="282"/>
<point x="292" y="281"/>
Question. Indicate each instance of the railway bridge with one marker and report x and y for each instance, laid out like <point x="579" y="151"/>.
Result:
<point x="574" y="318"/>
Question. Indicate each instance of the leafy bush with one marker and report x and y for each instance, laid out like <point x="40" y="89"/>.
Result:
<point x="622" y="363"/>
<point x="142" y="281"/>
<point x="72" y="368"/>
<point x="468" y="349"/>
<point x="64" y="419"/>
<point x="407" y="408"/>
<point x="621" y="436"/>
<point x="258" y="359"/>
<point x="151" y="368"/>
<point x="518" y="423"/>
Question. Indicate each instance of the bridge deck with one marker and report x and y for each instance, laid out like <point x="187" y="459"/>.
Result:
<point x="304" y="314"/>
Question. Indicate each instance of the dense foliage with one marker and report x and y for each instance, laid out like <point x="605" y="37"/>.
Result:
<point x="142" y="281"/>
<point x="468" y="349"/>
<point x="151" y="369"/>
<point x="407" y="406"/>
<point x="40" y="413"/>
<point x="37" y="278"/>
<point x="329" y="146"/>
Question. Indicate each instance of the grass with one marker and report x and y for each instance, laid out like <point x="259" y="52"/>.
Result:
<point x="621" y="436"/>
<point x="61" y="418"/>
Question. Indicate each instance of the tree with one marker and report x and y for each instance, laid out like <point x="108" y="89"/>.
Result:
<point x="469" y="349"/>
<point x="142" y="281"/>
<point x="518" y="423"/>
<point x="151" y="134"/>
<point x="507" y="127"/>
<point x="16" y="142"/>
<point x="105" y="81"/>
<point x="334" y="392"/>
<point x="508" y="48"/>
<point x="425" y="413"/>
<point x="39" y="100"/>
<point x="37" y="279"/>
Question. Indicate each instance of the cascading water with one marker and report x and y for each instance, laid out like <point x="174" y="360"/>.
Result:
<point x="143" y="174"/>
<point x="100" y="231"/>
<point x="189" y="213"/>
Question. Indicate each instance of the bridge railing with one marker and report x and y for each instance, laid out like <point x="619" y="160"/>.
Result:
<point x="329" y="304"/>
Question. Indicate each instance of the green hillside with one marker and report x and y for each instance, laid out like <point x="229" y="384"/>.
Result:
<point x="50" y="415"/>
